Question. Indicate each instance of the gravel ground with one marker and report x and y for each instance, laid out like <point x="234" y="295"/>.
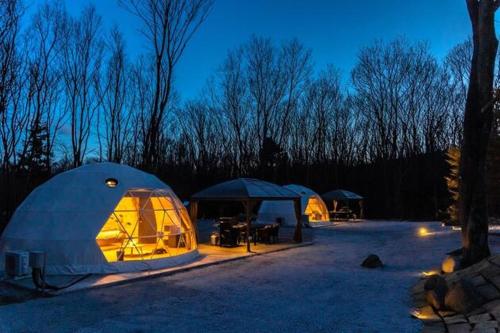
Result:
<point x="319" y="288"/>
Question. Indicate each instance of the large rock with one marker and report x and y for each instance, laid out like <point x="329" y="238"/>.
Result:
<point x="372" y="261"/>
<point x="462" y="297"/>
<point x="435" y="291"/>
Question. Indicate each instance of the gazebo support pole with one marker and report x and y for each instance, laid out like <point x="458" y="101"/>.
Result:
<point x="361" y="210"/>
<point x="247" y="216"/>
<point x="193" y="215"/>
<point x="297" y="237"/>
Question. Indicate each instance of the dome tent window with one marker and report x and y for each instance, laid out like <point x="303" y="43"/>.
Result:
<point x="146" y="224"/>
<point x="111" y="182"/>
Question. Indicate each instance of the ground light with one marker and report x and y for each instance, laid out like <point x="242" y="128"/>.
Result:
<point x="424" y="232"/>
<point x="429" y="273"/>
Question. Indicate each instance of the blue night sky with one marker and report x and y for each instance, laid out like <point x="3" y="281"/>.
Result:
<point x="333" y="29"/>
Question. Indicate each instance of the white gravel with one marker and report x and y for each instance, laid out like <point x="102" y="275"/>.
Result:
<point x="319" y="288"/>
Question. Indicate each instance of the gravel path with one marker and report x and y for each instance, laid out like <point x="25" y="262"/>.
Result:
<point x="319" y="288"/>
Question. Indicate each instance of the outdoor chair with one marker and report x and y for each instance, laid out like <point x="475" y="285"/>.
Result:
<point x="264" y="234"/>
<point x="275" y="233"/>
<point x="229" y="236"/>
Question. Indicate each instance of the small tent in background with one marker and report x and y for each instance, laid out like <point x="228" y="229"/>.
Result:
<point x="102" y="218"/>
<point x="341" y="201"/>
<point x="311" y="204"/>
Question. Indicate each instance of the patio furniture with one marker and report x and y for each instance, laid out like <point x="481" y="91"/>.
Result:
<point x="229" y="236"/>
<point x="249" y="192"/>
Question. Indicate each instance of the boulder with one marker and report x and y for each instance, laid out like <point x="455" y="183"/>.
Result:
<point x="372" y="261"/>
<point x="435" y="281"/>
<point x="462" y="297"/>
<point x="435" y="291"/>
<point x="450" y="264"/>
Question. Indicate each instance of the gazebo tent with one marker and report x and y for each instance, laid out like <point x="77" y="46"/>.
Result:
<point x="337" y="196"/>
<point x="310" y="202"/>
<point x="249" y="192"/>
<point x="103" y="218"/>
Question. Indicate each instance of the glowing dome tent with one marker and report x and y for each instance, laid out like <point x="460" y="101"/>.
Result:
<point x="311" y="205"/>
<point x="103" y="218"/>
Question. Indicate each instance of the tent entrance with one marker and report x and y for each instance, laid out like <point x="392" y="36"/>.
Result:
<point x="145" y="225"/>
<point x="316" y="210"/>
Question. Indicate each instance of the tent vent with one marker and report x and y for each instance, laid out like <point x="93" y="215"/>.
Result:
<point x="111" y="182"/>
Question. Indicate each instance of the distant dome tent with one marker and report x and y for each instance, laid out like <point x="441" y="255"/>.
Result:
<point x="103" y="218"/>
<point x="311" y="206"/>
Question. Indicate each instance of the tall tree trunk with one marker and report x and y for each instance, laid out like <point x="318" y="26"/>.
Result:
<point x="477" y="127"/>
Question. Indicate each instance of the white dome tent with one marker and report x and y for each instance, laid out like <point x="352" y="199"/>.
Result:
<point x="102" y="218"/>
<point x="311" y="205"/>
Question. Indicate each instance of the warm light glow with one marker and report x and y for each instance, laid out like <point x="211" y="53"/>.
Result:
<point x="429" y="273"/>
<point x="423" y="232"/>
<point x="316" y="210"/>
<point x="146" y="225"/>
<point x="417" y="313"/>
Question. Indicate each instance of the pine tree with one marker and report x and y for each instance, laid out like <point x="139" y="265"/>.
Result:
<point x="34" y="160"/>
<point x="453" y="160"/>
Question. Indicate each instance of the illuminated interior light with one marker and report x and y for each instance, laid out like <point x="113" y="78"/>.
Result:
<point x="145" y="225"/>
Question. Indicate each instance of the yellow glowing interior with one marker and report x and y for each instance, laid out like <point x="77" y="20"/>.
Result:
<point x="316" y="210"/>
<point x="146" y="225"/>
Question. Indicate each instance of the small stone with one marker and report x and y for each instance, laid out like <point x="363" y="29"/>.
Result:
<point x="435" y="281"/>
<point x="484" y="330"/>
<point x="479" y="318"/>
<point x="490" y="272"/>
<point x="426" y="313"/>
<point x="496" y="281"/>
<point x="462" y="297"/>
<point x="492" y="305"/>
<point x="495" y="260"/>
<point x="444" y="313"/>
<point x="457" y="319"/>
<point x="372" y="261"/>
<point x="488" y="292"/>
<point x="449" y="265"/>
<point x="476" y="311"/>
<point x="459" y="328"/>
<point x="486" y="324"/>
<point x="477" y="280"/>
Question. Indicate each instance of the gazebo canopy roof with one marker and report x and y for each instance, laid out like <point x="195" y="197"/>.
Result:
<point x="241" y="189"/>
<point x="341" y="195"/>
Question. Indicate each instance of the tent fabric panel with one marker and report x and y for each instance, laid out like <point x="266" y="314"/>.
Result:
<point x="58" y="252"/>
<point x="269" y="211"/>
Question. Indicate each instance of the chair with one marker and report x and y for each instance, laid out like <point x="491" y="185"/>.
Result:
<point x="264" y="234"/>
<point x="275" y="233"/>
<point x="229" y="236"/>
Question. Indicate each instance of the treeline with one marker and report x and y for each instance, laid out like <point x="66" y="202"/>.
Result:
<point x="70" y="94"/>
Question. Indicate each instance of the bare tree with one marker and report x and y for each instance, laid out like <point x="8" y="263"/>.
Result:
<point x="82" y="51"/>
<point x="478" y="120"/>
<point x="44" y="91"/>
<point x="113" y="95"/>
<point x="168" y="26"/>
<point x="11" y="82"/>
